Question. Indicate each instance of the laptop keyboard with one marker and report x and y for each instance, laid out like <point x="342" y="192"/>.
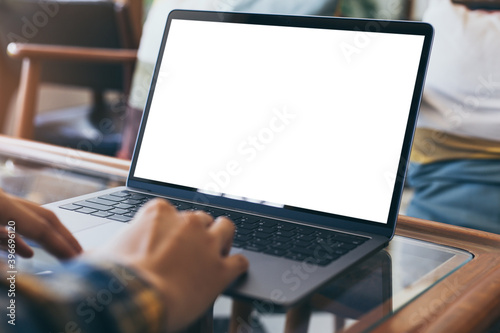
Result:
<point x="253" y="233"/>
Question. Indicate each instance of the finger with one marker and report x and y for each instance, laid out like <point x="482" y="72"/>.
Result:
<point x="154" y="208"/>
<point x="20" y="247"/>
<point x="164" y="203"/>
<point x="198" y="216"/>
<point x="39" y="229"/>
<point x="56" y="244"/>
<point x="223" y="229"/>
<point x="56" y="224"/>
<point x="236" y="265"/>
<point x="23" y="249"/>
<point x="60" y="233"/>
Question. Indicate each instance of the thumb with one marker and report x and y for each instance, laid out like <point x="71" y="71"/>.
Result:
<point x="236" y="265"/>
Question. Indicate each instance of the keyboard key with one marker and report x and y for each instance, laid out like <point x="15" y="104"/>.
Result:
<point x="120" y="218"/>
<point x="285" y="227"/>
<point x="262" y="235"/>
<point x="243" y="231"/>
<point x="306" y="252"/>
<point x="325" y="233"/>
<point x="118" y="211"/>
<point x="301" y="243"/>
<point x="305" y="231"/>
<point x="324" y="242"/>
<point x="121" y="194"/>
<point x="247" y="219"/>
<point x="268" y="223"/>
<point x="101" y="214"/>
<point x="86" y="210"/>
<point x="111" y="198"/>
<point x="307" y="238"/>
<point x="247" y="226"/>
<point x="123" y="206"/>
<point x="102" y="202"/>
<point x="260" y="241"/>
<point x="216" y="212"/>
<point x="281" y="239"/>
<point x="211" y="212"/>
<point x="131" y="202"/>
<point x="340" y="251"/>
<point x="139" y="196"/>
<point x="281" y="246"/>
<point x="183" y="206"/>
<point x="195" y="207"/>
<point x="254" y="247"/>
<point x="320" y="252"/>
<point x="92" y="205"/>
<point x="242" y="238"/>
<point x="231" y="215"/>
<point x="70" y="207"/>
<point x="285" y="233"/>
<point x="265" y="230"/>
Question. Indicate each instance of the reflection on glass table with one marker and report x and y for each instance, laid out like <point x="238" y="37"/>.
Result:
<point x="50" y="177"/>
<point x="431" y="276"/>
<point x="371" y="291"/>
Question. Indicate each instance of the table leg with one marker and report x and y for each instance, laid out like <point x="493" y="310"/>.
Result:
<point x="203" y="325"/>
<point x="241" y="320"/>
<point x="297" y="318"/>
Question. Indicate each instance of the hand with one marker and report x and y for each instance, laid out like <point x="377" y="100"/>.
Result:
<point x="38" y="224"/>
<point x="183" y="254"/>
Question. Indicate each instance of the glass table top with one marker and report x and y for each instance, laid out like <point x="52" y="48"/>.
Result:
<point x="369" y="292"/>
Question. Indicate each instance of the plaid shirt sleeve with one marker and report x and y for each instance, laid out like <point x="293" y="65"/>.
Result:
<point x="82" y="297"/>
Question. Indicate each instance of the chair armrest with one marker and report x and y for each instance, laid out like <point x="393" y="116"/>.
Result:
<point x="57" y="52"/>
<point x="65" y="158"/>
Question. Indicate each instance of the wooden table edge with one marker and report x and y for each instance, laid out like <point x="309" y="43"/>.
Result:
<point x="468" y="300"/>
<point x="63" y="157"/>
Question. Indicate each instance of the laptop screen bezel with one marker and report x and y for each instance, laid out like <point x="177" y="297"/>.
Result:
<point x="321" y="219"/>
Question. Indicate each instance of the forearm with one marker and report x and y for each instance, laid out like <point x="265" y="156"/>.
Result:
<point x="83" y="297"/>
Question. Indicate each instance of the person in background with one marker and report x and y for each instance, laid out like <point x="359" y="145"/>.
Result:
<point x="153" y="32"/>
<point x="159" y="275"/>
<point x="455" y="169"/>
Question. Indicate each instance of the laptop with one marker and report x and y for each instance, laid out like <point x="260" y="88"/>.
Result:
<point x="297" y="128"/>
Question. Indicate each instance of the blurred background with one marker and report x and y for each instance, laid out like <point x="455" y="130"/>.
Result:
<point x="74" y="103"/>
<point x="77" y="73"/>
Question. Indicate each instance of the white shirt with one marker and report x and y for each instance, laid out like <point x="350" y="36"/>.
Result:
<point x="157" y="16"/>
<point x="462" y="92"/>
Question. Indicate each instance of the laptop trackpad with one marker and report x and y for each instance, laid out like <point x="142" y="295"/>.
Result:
<point x="99" y="235"/>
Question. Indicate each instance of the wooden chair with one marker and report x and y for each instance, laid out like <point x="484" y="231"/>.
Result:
<point x="9" y="80"/>
<point x="88" y="44"/>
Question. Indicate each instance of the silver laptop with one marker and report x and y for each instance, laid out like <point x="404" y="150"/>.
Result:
<point x="297" y="128"/>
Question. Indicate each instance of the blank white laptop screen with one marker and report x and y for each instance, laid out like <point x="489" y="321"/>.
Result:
<point x="310" y="118"/>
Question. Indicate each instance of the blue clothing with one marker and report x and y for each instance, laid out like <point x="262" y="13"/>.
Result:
<point x="459" y="192"/>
